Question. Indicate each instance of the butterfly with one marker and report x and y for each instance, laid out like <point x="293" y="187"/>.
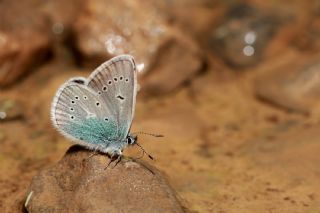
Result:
<point x="97" y="112"/>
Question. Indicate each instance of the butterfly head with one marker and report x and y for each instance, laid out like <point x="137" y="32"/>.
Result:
<point x="132" y="139"/>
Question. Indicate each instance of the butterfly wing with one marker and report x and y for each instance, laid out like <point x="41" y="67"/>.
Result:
<point x="116" y="82"/>
<point x="81" y="115"/>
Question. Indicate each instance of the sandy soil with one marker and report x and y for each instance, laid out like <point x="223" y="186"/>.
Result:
<point x="223" y="151"/>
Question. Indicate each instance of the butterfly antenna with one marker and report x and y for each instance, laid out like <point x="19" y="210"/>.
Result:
<point x="150" y="134"/>
<point x="144" y="151"/>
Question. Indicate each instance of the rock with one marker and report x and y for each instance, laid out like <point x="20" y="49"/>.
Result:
<point x="193" y="17"/>
<point x="106" y="29"/>
<point x="307" y="37"/>
<point x="61" y="14"/>
<point x="173" y="68"/>
<point x="10" y="110"/>
<point x="294" y="86"/>
<point x="243" y="34"/>
<point x="18" y="56"/>
<point x="24" y="40"/>
<point x="80" y="184"/>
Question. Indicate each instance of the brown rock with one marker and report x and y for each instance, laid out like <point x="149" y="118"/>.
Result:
<point x="173" y="68"/>
<point x="10" y="109"/>
<point x="61" y="14"/>
<point x="307" y="35"/>
<point x="24" y="40"/>
<point x="17" y="57"/>
<point x="193" y="17"/>
<point x="294" y="86"/>
<point x="242" y="35"/>
<point x="81" y="184"/>
<point x="106" y="29"/>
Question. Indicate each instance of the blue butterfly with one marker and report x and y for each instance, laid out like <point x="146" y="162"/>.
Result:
<point x="97" y="112"/>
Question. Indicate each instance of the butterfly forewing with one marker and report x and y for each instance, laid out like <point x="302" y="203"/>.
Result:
<point x="115" y="81"/>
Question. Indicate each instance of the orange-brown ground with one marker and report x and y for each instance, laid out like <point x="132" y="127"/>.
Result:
<point x="223" y="151"/>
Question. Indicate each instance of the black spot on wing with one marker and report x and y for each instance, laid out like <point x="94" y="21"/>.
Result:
<point x="78" y="81"/>
<point x="120" y="97"/>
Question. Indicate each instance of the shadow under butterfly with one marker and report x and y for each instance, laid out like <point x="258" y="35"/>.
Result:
<point x="97" y="112"/>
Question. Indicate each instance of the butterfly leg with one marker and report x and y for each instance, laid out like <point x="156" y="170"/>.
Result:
<point x="88" y="158"/>
<point x="93" y="154"/>
<point x="119" y="158"/>
<point x="111" y="160"/>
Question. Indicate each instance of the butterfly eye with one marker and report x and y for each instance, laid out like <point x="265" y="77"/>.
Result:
<point x="72" y="117"/>
<point x="104" y="88"/>
<point x="71" y="109"/>
<point x="129" y="140"/>
<point x="115" y="79"/>
<point x="85" y="97"/>
<point x="99" y="92"/>
<point x="109" y="82"/>
<point x="72" y="102"/>
<point x="127" y="80"/>
<point x="121" y="78"/>
<point x="76" y="97"/>
<point x="98" y="104"/>
<point x="106" y="119"/>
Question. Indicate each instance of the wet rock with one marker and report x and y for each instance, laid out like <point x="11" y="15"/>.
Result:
<point x="106" y="29"/>
<point x="24" y="41"/>
<point x="193" y="17"/>
<point x="173" y="68"/>
<point x="19" y="56"/>
<point x="307" y="37"/>
<point x="294" y="86"/>
<point x="10" y="110"/>
<point x="80" y="184"/>
<point x="61" y="15"/>
<point x="242" y="36"/>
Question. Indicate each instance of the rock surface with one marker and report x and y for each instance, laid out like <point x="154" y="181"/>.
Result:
<point x="296" y="88"/>
<point x="10" y="109"/>
<point x="242" y="35"/>
<point x="168" y="73"/>
<point x="24" y="39"/>
<point x="106" y="29"/>
<point x="80" y="184"/>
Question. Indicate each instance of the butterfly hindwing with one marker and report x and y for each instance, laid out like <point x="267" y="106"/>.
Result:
<point x="81" y="114"/>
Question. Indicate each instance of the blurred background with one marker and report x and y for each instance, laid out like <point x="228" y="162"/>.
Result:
<point x="233" y="85"/>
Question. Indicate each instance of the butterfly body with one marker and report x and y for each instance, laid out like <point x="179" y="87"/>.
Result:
<point x="97" y="112"/>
